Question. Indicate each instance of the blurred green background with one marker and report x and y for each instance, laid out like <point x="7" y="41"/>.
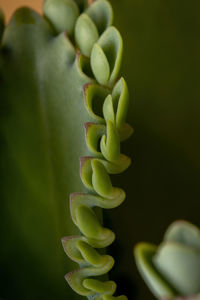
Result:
<point x="162" y="67"/>
<point x="161" y="64"/>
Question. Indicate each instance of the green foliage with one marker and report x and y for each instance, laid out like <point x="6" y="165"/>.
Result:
<point x="42" y="87"/>
<point x="48" y="93"/>
<point x="103" y="140"/>
<point x="43" y="113"/>
<point x="173" y="268"/>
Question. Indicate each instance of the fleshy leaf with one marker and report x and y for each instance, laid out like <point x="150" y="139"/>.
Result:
<point x="101" y="180"/>
<point x="97" y="236"/>
<point x="144" y="258"/>
<point x="42" y="84"/>
<point x="94" y="132"/>
<point x="174" y="265"/>
<point x="110" y="143"/>
<point x="101" y="13"/>
<point x="61" y="14"/>
<point x="107" y="287"/>
<point x="180" y="265"/>
<point x="86" y="34"/>
<point x="77" y="278"/>
<point x="115" y="108"/>
<point x="94" y="99"/>
<point x="184" y="233"/>
<point x="108" y="109"/>
<point x="112" y="46"/>
<point x="70" y="245"/>
<point x="44" y="87"/>
<point x="100" y="65"/>
<point x="120" y="98"/>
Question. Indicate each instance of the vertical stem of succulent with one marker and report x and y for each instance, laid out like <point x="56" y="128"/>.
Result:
<point x="106" y="99"/>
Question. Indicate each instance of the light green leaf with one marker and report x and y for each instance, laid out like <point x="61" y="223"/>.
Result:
<point x="62" y="15"/>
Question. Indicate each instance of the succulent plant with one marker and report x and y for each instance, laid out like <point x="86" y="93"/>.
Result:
<point x="173" y="268"/>
<point x="71" y="61"/>
<point x="63" y="118"/>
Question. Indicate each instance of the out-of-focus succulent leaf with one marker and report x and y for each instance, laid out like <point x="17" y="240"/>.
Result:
<point x="41" y="106"/>
<point x="144" y="254"/>
<point x="173" y="268"/>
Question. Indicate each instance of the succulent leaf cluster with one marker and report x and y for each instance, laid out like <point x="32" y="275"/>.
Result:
<point x="172" y="269"/>
<point x="63" y="118"/>
<point x="100" y="45"/>
<point x="74" y="45"/>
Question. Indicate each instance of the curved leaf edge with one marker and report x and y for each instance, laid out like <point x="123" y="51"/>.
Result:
<point x="105" y="144"/>
<point x="180" y="235"/>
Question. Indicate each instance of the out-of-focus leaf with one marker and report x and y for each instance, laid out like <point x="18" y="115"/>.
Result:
<point x="42" y="138"/>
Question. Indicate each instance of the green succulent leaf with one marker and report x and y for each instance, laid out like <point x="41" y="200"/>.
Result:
<point x="184" y="233"/>
<point x="48" y="93"/>
<point x="144" y="254"/>
<point x="110" y="143"/>
<point x="86" y="34"/>
<point x="94" y="132"/>
<point x="101" y="14"/>
<point x="42" y="85"/>
<point x="103" y="141"/>
<point x="173" y="268"/>
<point x="50" y="102"/>
<point x="180" y="265"/>
<point x="94" y="99"/>
<point x="100" y="65"/>
<point x="62" y="15"/>
<point x="112" y="46"/>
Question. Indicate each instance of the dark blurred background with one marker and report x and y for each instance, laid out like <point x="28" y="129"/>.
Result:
<point x="162" y="67"/>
